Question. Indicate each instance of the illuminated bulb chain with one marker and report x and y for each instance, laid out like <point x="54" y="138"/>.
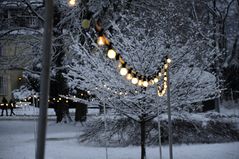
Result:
<point x="132" y="76"/>
<point x="162" y="91"/>
<point x="124" y="70"/>
<point x="66" y="99"/>
<point x="114" y="91"/>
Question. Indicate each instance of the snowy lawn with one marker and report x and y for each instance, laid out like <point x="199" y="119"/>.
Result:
<point x="17" y="141"/>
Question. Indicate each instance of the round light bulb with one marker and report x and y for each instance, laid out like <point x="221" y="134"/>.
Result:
<point x="165" y="66"/>
<point x="101" y="41"/>
<point x="85" y="23"/>
<point x="169" y="60"/>
<point x="111" y="54"/>
<point x="151" y="82"/>
<point x="119" y="65"/>
<point x="140" y="83"/>
<point x="123" y="71"/>
<point x="134" y="80"/>
<point x="160" y="94"/>
<point x="156" y="80"/>
<point x="72" y="2"/>
<point x="165" y="83"/>
<point x="145" y="83"/>
<point x="129" y="76"/>
<point x="160" y="74"/>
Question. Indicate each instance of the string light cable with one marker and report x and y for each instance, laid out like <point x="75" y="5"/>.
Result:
<point x="131" y="75"/>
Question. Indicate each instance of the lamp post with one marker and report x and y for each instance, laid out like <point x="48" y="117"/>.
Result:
<point x="45" y="75"/>
<point x="170" y="141"/>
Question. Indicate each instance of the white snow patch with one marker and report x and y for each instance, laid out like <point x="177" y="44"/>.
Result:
<point x="62" y="142"/>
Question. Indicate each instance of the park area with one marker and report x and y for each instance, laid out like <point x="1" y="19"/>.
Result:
<point x="119" y="79"/>
<point x="18" y="140"/>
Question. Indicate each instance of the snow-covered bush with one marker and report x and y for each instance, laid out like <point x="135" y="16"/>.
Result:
<point x="187" y="128"/>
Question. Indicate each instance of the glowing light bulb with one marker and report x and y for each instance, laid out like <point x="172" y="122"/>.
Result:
<point x="140" y="83"/>
<point x="165" y="83"/>
<point x="119" y="65"/>
<point x="160" y="94"/>
<point x="111" y="54"/>
<point x="160" y="74"/>
<point x="156" y="80"/>
<point x="135" y="80"/>
<point x="145" y="83"/>
<point x="101" y="41"/>
<point x="169" y="60"/>
<point x="129" y="76"/>
<point x="72" y="3"/>
<point x="151" y="82"/>
<point x="85" y="23"/>
<point x="123" y="71"/>
<point x="165" y="66"/>
<point x="165" y="78"/>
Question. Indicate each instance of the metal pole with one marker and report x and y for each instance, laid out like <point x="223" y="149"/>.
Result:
<point x="106" y="141"/>
<point x="34" y="108"/>
<point x="169" y="118"/>
<point x="159" y="131"/>
<point x="44" y="85"/>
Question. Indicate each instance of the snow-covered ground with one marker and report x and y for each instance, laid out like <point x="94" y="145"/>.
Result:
<point x="17" y="141"/>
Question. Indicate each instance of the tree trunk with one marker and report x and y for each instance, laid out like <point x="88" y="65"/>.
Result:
<point x="143" y="137"/>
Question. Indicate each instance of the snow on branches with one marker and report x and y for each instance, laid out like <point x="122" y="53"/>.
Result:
<point x="142" y="43"/>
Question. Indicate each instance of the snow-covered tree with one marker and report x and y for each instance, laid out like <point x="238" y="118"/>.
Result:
<point x="143" y="33"/>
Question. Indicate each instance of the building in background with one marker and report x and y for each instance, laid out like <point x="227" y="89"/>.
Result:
<point x="20" y="31"/>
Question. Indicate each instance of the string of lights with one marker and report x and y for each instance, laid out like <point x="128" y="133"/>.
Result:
<point x="131" y="75"/>
<point x="124" y="69"/>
